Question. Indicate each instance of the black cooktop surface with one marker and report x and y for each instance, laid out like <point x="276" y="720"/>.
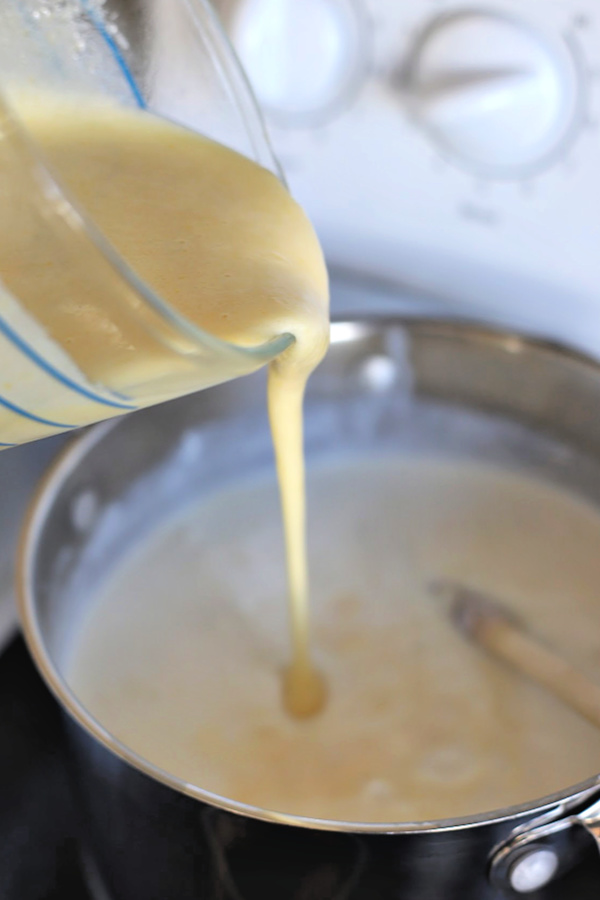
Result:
<point x="39" y="850"/>
<point x="39" y="853"/>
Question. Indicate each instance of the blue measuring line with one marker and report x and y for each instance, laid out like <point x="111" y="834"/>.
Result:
<point x="95" y="18"/>
<point x="114" y="48"/>
<point x="32" y="416"/>
<point x="28" y="351"/>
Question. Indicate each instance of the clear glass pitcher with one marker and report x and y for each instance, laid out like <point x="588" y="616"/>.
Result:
<point x="169" y="57"/>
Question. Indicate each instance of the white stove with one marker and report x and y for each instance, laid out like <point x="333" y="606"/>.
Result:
<point x="452" y="149"/>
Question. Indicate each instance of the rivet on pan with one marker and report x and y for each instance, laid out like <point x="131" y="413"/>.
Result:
<point x="533" y="870"/>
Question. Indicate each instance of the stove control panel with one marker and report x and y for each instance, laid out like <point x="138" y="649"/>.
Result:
<point x="497" y="95"/>
<point x="452" y="148"/>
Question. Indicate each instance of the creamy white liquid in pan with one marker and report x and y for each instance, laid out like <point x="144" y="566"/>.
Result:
<point x="181" y="654"/>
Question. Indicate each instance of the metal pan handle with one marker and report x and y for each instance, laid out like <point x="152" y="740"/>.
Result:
<point x="544" y="848"/>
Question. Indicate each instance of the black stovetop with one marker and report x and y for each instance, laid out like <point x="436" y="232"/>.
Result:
<point x="39" y="849"/>
<point x="39" y="854"/>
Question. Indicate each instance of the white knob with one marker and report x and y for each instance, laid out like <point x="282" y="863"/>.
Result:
<point x="492" y="91"/>
<point x="302" y="56"/>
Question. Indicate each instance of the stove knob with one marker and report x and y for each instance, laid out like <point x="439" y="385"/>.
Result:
<point x="302" y="57"/>
<point x="491" y="91"/>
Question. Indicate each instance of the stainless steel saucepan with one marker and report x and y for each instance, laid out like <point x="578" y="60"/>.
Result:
<point x="405" y="385"/>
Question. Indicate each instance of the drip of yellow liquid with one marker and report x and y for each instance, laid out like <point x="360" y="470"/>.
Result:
<point x="304" y="688"/>
<point x="222" y="242"/>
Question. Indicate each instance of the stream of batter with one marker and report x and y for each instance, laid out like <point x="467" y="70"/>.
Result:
<point x="212" y="233"/>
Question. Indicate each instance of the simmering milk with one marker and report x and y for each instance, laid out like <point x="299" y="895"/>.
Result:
<point x="181" y="651"/>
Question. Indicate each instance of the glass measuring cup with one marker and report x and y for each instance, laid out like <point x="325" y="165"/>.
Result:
<point x="171" y="58"/>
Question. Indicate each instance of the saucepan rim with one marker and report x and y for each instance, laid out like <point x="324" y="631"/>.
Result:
<point x="71" y="456"/>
